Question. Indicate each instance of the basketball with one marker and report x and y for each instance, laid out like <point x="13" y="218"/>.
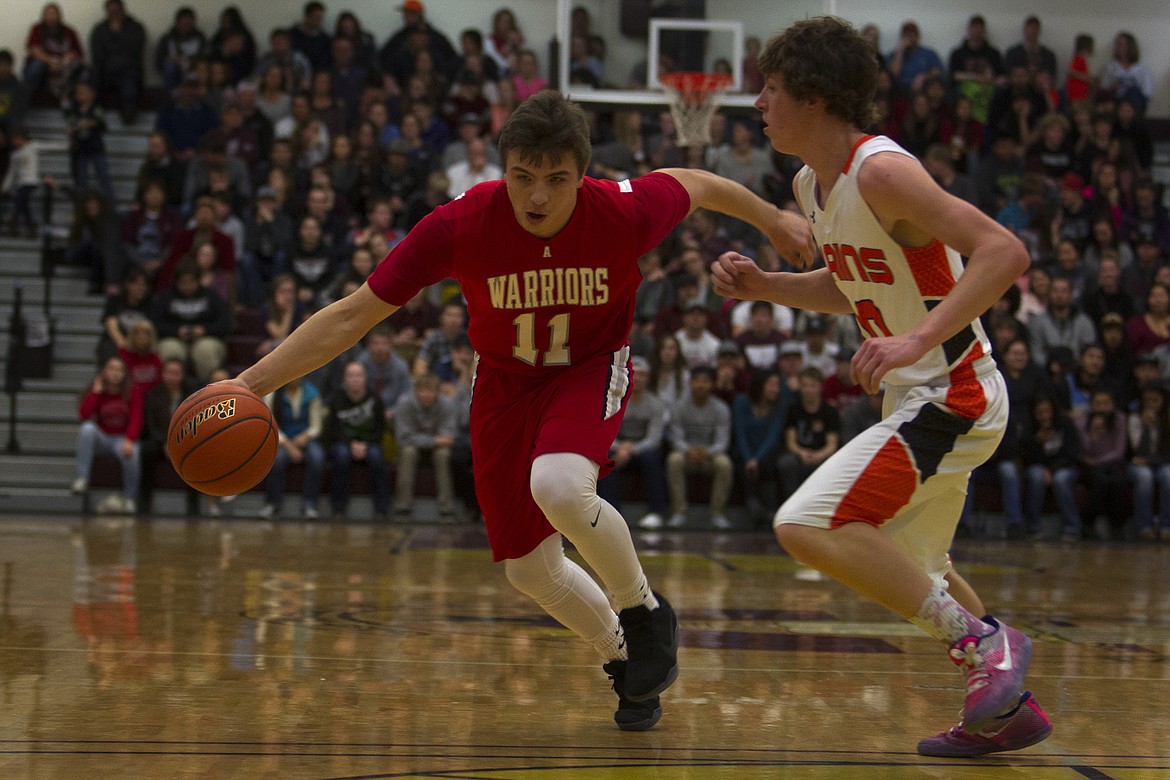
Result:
<point x="222" y="440"/>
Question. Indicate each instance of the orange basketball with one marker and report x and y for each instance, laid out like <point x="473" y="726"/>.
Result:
<point x="222" y="440"/>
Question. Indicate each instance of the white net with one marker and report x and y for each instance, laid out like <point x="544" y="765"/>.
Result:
<point x="694" y="97"/>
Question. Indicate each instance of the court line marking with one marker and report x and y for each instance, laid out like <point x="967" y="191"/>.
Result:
<point x="949" y="674"/>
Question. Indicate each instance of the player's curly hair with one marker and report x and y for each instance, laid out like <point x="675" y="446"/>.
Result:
<point x="544" y="127"/>
<point x="825" y="57"/>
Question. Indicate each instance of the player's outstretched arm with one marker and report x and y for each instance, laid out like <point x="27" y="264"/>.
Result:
<point x="736" y="276"/>
<point x="321" y="338"/>
<point x="788" y="232"/>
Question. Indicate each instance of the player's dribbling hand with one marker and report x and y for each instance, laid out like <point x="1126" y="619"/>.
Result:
<point x="736" y="276"/>
<point x="878" y="356"/>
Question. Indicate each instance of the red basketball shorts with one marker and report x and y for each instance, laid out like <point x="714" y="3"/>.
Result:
<point x="518" y="417"/>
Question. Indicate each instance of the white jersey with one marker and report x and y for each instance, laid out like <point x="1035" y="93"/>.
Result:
<point x="891" y="287"/>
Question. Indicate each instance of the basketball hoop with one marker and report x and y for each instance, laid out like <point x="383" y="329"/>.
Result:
<point x="693" y="99"/>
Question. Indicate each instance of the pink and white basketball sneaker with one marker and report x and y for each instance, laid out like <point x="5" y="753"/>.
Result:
<point x="1026" y="725"/>
<point x="995" y="665"/>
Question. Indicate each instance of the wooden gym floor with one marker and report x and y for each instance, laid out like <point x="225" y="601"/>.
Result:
<point x="167" y="649"/>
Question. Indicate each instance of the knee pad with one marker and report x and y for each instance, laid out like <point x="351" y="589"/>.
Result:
<point x="563" y="485"/>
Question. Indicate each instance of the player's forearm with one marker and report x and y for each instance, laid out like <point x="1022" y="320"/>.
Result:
<point x="715" y="193"/>
<point x="813" y="291"/>
<point x="991" y="270"/>
<point x="321" y="338"/>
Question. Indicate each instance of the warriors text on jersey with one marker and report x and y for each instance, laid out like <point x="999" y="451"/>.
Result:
<point x="891" y="287"/>
<point x="534" y="302"/>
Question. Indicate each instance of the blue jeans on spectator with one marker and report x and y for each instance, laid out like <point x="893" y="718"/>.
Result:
<point x="93" y="441"/>
<point x="653" y="477"/>
<point x="1064" y="481"/>
<point x="1010" y="490"/>
<point x="314" y="470"/>
<point x="342" y="457"/>
<point x="1143" y="478"/>
<point x="35" y="72"/>
<point x="82" y="162"/>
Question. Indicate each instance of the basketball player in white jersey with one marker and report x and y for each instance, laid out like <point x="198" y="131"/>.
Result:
<point x="879" y="515"/>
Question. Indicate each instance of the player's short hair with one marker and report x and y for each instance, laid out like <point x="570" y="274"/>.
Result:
<point x="825" y="57"/>
<point x="544" y="127"/>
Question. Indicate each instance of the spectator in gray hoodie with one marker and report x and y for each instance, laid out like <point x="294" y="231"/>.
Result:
<point x="700" y="432"/>
<point x="424" y="423"/>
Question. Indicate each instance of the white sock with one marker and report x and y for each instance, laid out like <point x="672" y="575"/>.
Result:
<point x="943" y="618"/>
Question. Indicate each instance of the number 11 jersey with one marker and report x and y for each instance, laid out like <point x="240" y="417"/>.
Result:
<point x="539" y="303"/>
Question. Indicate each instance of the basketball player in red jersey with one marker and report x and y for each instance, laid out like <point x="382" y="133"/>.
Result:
<point x="547" y="259"/>
<point x="881" y="513"/>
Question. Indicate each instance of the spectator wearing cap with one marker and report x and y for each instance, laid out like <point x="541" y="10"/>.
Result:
<point x="468" y="129"/>
<point x="732" y="375"/>
<point x="474" y="169"/>
<point x="1150" y="330"/>
<point x="639" y="444"/>
<point x="700" y="434"/>
<point x="911" y="63"/>
<point x="1106" y="296"/>
<point x="1074" y="220"/>
<point x="1061" y="324"/>
<point x="761" y="340"/>
<point x="700" y="347"/>
<point x="246" y="97"/>
<point x="186" y="118"/>
<point x="758" y="417"/>
<point x="396" y="56"/>
<point x="817" y="351"/>
<point x="268" y="238"/>
<point x="790" y="362"/>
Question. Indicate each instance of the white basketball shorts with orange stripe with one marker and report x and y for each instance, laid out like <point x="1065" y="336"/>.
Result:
<point x="908" y="474"/>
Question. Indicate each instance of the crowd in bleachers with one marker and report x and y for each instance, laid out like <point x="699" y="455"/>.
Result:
<point x="279" y="175"/>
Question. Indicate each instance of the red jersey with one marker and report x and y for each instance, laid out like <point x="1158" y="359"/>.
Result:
<point x="534" y="302"/>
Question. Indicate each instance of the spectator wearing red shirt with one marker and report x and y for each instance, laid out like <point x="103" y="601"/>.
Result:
<point x="111" y="414"/>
